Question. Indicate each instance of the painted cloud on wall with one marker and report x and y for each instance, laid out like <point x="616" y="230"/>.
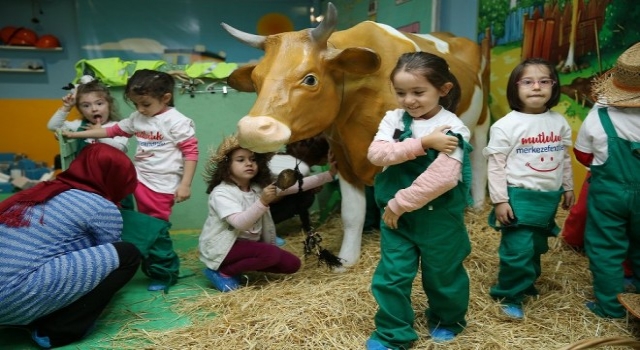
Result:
<point x="137" y="45"/>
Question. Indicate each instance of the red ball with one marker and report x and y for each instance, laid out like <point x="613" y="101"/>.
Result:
<point x="6" y="32"/>
<point x="23" y="37"/>
<point x="47" y="41"/>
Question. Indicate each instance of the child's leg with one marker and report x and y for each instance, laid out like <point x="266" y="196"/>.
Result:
<point x="247" y="256"/>
<point x="391" y="287"/>
<point x="517" y="271"/>
<point x="443" y="248"/>
<point x="153" y="203"/>
<point x="606" y="246"/>
<point x="162" y="264"/>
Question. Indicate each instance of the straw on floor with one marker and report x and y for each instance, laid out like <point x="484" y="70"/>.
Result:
<point x="319" y="309"/>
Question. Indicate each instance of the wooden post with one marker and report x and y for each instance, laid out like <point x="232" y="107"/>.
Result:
<point x="595" y="29"/>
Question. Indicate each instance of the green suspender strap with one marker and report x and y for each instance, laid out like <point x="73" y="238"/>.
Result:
<point x="466" y="159"/>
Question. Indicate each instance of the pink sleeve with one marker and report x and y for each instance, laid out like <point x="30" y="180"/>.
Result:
<point x="115" y="130"/>
<point x="308" y="183"/>
<point x="246" y="219"/>
<point x="567" y="176"/>
<point x="441" y="176"/>
<point x="189" y="148"/>
<point x="384" y="153"/>
<point x="496" y="164"/>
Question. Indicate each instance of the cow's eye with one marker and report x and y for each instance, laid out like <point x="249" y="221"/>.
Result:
<point x="310" y="80"/>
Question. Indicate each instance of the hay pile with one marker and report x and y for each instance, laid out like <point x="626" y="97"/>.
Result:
<point x="318" y="309"/>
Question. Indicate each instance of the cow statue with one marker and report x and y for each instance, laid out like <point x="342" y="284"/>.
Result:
<point x="320" y="80"/>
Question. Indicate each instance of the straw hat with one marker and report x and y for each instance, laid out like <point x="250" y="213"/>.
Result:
<point x="620" y="86"/>
<point x="228" y="145"/>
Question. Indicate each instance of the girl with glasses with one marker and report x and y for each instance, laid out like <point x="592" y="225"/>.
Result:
<point x="529" y="174"/>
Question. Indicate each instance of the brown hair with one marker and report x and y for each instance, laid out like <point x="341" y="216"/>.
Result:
<point x="147" y="82"/>
<point x="102" y="90"/>
<point x="436" y="70"/>
<point x="218" y="168"/>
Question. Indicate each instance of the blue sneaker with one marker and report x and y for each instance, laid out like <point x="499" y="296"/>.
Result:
<point x="513" y="311"/>
<point x="156" y="286"/>
<point x="222" y="283"/>
<point x="280" y="241"/>
<point x="373" y="344"/>
<point x="440" y="335"/>
<point x="43" y="342"/>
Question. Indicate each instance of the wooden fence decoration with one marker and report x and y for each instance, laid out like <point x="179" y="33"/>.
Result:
<point x="547" y="36"/>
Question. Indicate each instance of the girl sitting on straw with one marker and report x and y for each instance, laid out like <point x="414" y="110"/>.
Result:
<point x="239" y="234"/>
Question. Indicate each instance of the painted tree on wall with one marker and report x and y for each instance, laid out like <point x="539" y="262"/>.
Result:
<point x="494" y="14"/>
<point x="621" y="28"/>
<point x="570" y="62"/>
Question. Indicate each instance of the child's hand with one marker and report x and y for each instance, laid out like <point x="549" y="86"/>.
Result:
<point x="504" y="213"/>
<point x="440" y="141"/>
<point x="568" y="200"/>
<point x="68" y="101"/>
<point x="183" y="193"/>
<point x="269" y="194"/>
<point x="67" y="134"/>
<point x="93" y="126"/>
<point x="390" y="218"/>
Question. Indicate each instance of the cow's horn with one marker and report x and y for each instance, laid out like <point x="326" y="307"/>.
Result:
<point x="252" y="40"/>
<point x="321" y="33"/>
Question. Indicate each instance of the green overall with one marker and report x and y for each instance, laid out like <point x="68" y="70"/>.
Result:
<point x="151" y="236"/>
<point x="522" y="243"/>
<point x="435" y="236"/>
<point x="613" y="221"/>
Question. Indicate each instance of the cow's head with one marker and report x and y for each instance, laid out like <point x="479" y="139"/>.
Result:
<point x="299" y="82"/>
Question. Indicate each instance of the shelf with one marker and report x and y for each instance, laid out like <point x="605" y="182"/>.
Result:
<point x="28" y="48"/>
<point x="22" y="70"/>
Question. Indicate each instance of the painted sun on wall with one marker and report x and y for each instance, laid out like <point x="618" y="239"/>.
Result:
<point x="583" y="38"/>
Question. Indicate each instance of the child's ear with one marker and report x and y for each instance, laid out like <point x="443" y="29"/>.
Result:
<point x="166" y="98"/>
<point x="444" y="90"/>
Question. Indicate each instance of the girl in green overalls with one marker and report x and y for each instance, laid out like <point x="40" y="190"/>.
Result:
<point x="529" y="167"/>
<point x="609" y="142"/>
<point x="422" y="197"/>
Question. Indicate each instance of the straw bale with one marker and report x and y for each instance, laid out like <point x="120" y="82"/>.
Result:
<point x="319" y="309"/>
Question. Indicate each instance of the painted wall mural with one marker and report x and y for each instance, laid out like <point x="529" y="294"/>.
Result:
<point x="583" y="38"/>
<point x="180" y="35"/>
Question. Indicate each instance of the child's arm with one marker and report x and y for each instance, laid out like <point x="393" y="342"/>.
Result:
<point x="96" y="133"/>
<point x="496" y="163"/>
<point x="441" y="176"/>
<point x="189" y="149"/>
<point x="385" y="153"/>
<point x="314" y="181"/>
<point x="246" y="219"/>
<point x="60" y="116"/>
<point x="183" y="192"/>
<point x="567" y="182"/>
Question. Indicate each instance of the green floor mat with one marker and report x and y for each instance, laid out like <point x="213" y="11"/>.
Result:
<point x="134" y="307"/>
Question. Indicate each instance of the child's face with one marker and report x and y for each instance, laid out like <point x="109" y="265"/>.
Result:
<point x="535" y="88"/>
<point x="417" y="95"/>
<point x="93" y="107"/>
<point x="150" y="106"/>
<point x="243" y="166"/>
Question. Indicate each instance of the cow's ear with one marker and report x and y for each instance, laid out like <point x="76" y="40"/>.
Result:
<point x="240" y="79"/>
<point x="356" y="60"/>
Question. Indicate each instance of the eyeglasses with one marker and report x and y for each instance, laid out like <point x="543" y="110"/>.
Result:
<point x="529" y="83"/>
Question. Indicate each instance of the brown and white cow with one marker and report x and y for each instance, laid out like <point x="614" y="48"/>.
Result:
<point x="319" y="81"/>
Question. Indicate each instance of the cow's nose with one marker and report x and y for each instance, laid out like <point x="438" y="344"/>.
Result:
<point x="262" y="134"/>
